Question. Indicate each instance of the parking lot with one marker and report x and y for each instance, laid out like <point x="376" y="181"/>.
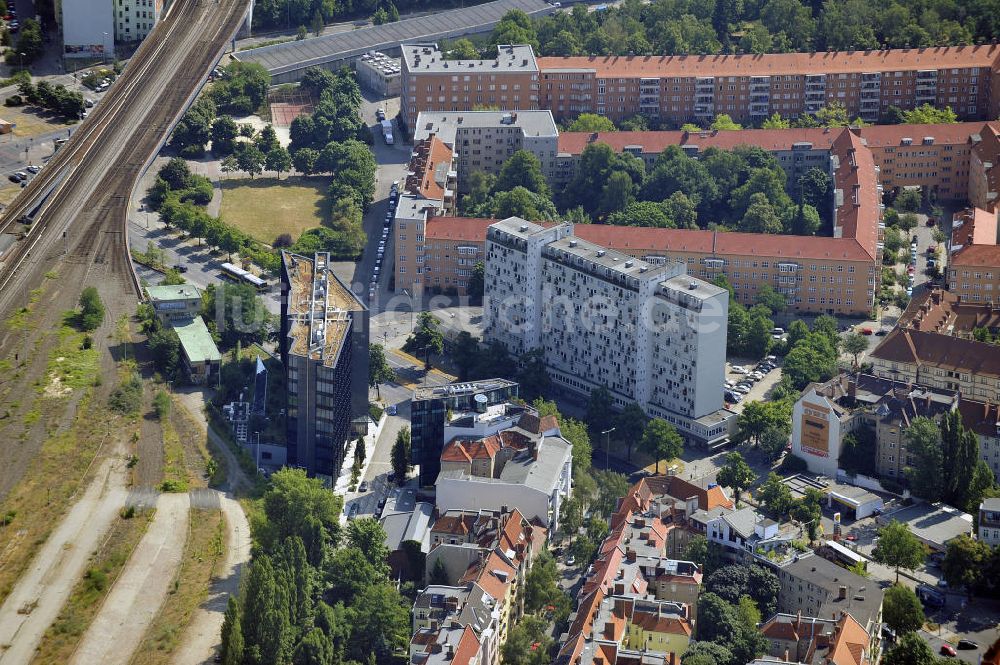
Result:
<point x="748" y="381"/>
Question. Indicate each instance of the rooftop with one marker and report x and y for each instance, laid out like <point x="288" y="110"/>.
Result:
<point x="174" y="292"/>
<point x="423" y="57"/>
<point x="992" y="504"/>
<point x="862" y="600"/>
<point x="464" y="388"/>
<point x="798" y="64"/>
<point x="446" y="124"/>
<point x="937" y="310"/>
<point x="196" y="341"/>
<point x="935" y="524"/>
<point x="297" y="56"/>
<point x="318" y="307"/>
<point x="931" y="349"/>
<point x="470" y="229"/>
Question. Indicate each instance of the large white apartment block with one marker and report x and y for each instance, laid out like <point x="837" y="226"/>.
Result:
<point x="484" y="140"/>
<point x="88" y="28"/>
<point x="650" y="334"/>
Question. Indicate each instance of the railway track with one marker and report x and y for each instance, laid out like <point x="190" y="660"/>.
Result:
<point x="80" y="199"/>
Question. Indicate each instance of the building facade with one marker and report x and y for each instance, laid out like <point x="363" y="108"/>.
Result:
<point x="324" y="348"/>
<point x="134" y="19"/>
<point x="974" y="261"/>
<point x="989" y="522"/>
<point x="431" y="83"/>
<point x="653" y="334"/>
<point x="484" y="140"/>
<point x="88" y="28"/>
<point x="429" y="411"/>
<point x="379" y="73"/>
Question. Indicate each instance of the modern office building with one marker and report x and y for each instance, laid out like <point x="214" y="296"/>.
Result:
<point x="484" y="140"/>
<point x="324" y="347"/>
<point x="429" y="410"/>
<point x="649" y="334"/>
<point x="379" y="73"/>
<point x="88" y="28"/>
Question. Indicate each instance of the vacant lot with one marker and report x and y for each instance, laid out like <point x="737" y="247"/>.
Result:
<point x="265" y="207"/>
<point x="31" y="121"/>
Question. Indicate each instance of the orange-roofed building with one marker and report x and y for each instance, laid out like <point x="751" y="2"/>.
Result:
<point x="795" y="638"/>
<point x="974" y="265"/>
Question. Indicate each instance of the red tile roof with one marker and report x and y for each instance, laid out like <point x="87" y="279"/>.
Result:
<point x="467" y="649"/>
<point x="879" y="136"/>
<point x="472" y="229"/>
<point x="661" y="624"/>
<point x="655" y="142"/>
<point x="980" y="417"/>
<point x="930" y="349"/>
<point x="467" y="451"/>
<point x="431" y="161"/>
<point x="859" y="214"/>
<point x="985" y="256"/>
<point x="459" y="525"/>
<point x="778" y="63"/>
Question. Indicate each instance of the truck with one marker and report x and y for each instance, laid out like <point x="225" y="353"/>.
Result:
<point x="387" y="131"/>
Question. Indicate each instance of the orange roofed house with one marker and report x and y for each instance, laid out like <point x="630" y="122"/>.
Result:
<point x="974" y="264"/>
<point x="841" y="640"/>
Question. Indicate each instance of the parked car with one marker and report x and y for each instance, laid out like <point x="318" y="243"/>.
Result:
<point x="738" y="370"/>
<point x="948" y="650"/>
<point x="22" y="175"/>
<point x="967" y="644"/>
<point x="570" y="560"/>
<point x="363" y="487"/>
<point x="353" y="511"/>
<point x="13" y="177"/>
<point x="33" y="169"/>
<point x="866" y="331"/>
<point x="380" y="114"/>
<point x="931" y="221"/>
<point x="391" y="409"/>
<point x="180" y="268"/>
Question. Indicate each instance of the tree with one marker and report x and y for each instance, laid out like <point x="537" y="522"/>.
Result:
<point x="736" y="581"/>
<point x="266" y="624"/>
<point x="528" y="643"/>
<point x="771" y="299"/>
<point x="757" y="418"/>
<point x="911" y="649"/>
<point x="723" y="122"/>
<point x="250" y="159"/>
<point x="661" y="441"/>
<point x="438" y="574"/>
<point x="898" y="547"/>
<point x="908" y="200"/>
<point x="379" y="370"/>
<point x="400" y="456"/>
<point x="532" y="374"/>
<point x="775" y="496"/>
<point x="611" y="486"/>
<point x="462" y="49"/>
<point x="522" y="169"/>
<point x="964" y="562"/>
<point x="775" y="121"/>
<point x="515" y="27"/>
<point x="926" y="114"/>
<point x="590" y="122"/>
<point x="736" y="474"/>
<point x="380" y="623"/>
<point x="599" y="410"/>
<point x="630" y="425"/>
<point x="901" y="609"/>
<point x="476" y="288"/>
<point x="91" y="309"/>
<point x="231" y="650"/>
<point x="278" y="160"/>
<point x="304" y="160"/>
<point x="854" y="344"/>
<point x="224" y="133"/>
<point x="923" y="440"/>
<point x="426" y="339"/>
<point x="704" y="652"/>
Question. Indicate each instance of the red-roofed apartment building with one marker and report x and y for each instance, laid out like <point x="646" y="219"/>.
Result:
<point x="974" y="264"/>
<point x="679" y="89"/>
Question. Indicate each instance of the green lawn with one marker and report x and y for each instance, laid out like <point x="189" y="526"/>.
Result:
<point x="265" y="208"/>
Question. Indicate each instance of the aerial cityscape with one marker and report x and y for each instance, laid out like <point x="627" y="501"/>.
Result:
<point x="516" y="332"/>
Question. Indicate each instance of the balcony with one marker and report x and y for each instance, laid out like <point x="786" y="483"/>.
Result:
<point x="871" y="76"/>
<point x="926" y="74"/>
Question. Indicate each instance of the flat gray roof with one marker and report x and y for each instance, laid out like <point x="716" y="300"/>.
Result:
<point x="297" y="56"/>
<point x="934" y="524"/>
<point x="445" y="124"/>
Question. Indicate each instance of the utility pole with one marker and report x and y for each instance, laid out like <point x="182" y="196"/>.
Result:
<point x="607" y="447"/>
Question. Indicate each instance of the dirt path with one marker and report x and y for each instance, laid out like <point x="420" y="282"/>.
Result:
<point x="44" y="588"/>
<point x="202" y="636"/>
<point x="136" y="597"/>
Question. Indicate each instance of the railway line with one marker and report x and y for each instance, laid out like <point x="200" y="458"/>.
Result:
<point x="79" y="200"/>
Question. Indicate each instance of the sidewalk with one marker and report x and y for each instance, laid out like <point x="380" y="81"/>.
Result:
<point x="344" y="480"/>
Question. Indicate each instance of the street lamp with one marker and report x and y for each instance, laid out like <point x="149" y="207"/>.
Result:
<point x="607" y="447"/>
<point x="20" y="60"/>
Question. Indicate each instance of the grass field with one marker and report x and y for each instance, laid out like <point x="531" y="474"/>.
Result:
<point x="63" y="636"/>
<point x="30" y="123"/>
<point x="202" y="552"/>
<point x="264" y="208"/>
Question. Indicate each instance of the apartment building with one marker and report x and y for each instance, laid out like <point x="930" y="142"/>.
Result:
<point x="989" y="522"/>
<point x="508" y="82"/>
<point x="678" y="89"/>
<point x="815" y="640"/>
<point x="484" y="140"/>
<point x="653" y="334"/>
<point x="324" y="348"/>
<point x="827" y="412"/>
<point x="984" y="168"/>
<point x="88" y="28"/>
<point x="516" y="466"/>
<point x="932" y="346"/>
<point x="431" y="408"/>
<point x="134" y="19"/>
<point x="974" y="261"/>
<point x="182" y="301"/>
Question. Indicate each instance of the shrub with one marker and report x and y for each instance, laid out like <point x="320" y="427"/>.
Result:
<point x="793" y="464"/>
<point x="161" y="404"/>
<point x="374" y="411"/>
<point x="91" y="309"/>
<point x="127" y="397"/>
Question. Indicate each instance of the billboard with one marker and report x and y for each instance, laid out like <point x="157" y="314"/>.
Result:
<point x="815" y="429"/>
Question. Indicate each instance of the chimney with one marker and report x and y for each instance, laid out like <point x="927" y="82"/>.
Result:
<point x="673" y="658"/>
<point x="630" y="556"/>
<point x="787" y="656"/>
<point x="841" y="595"/>
<point x="798" y="618"/>
<point x="450" y="651"/>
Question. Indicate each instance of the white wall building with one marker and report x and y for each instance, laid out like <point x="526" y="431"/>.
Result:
<point x="134" y="19"/>
<point x="88" y="28"/>
<point x="816" y="431"/>
<point x="484" y="140"/>
<point x="650" y="334"/>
